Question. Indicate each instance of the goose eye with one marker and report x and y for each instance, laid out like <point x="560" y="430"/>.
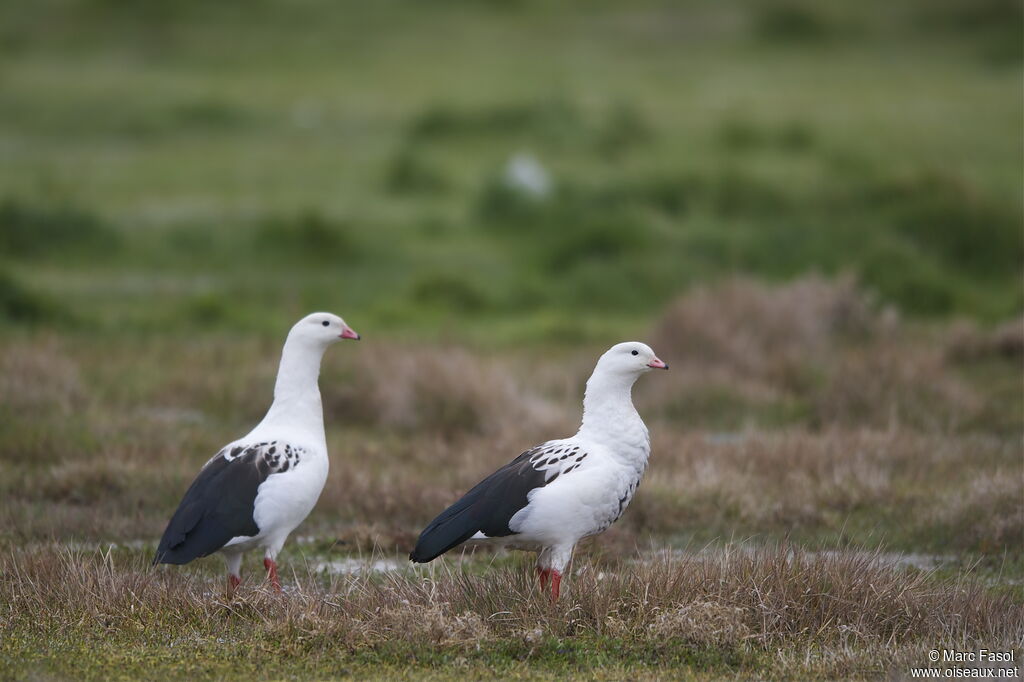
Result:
<point x="636" y="352"/>
<point x="326" y="323"/>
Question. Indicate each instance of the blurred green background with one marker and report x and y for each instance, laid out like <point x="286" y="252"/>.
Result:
<point x="504" y="171"/>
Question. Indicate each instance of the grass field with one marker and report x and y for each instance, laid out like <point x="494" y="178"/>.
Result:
<point x="812" y="212"/>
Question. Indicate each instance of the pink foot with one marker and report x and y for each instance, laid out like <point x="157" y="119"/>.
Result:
<point x="271" y="567"/>
<point x="234" y="581"/>
<point x="556" y="583"/>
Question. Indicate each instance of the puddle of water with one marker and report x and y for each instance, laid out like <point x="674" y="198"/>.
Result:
<point x="355" y="566"/>
<point x="80" y="546"/>
<point x="921" y="561"/>
<point x="924" y="562"/>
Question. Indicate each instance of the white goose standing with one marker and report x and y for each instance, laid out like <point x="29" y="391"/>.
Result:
<point x="552" y="496"/>
<point x="258" y="489"/>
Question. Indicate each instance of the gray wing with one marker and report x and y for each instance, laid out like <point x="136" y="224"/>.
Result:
<point x="489" y="506"/>
<point x="219" y="504"/>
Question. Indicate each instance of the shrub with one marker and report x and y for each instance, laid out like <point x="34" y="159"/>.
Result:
<point x="442" y="290"/>
<point x="18" y="304"/>
<point x="795" y="136"/>
<point x="46" y="231"/>
<point x="408" y="173"/>
<point x="207" y="114"/>
<point x="501" y="206"/>
<point x="735" y="192"/>
<point x="967" y="343"/>
<point x="308" y="234"/>
<point x="763" y="330"/>
<point x="944" y="215"/>
<point x="447" y="391"/>
<point x="547" y="117"/>
<point x="609" y="239"/>
<point x="786" y="22"/>
<point x="993" y="24"/>
<point x="206" y="310"/>
<point x="741" y="135"/>
<point x="624" y="129"/>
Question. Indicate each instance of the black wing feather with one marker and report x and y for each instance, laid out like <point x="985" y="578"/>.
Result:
<point x="219" y="504"/>
<point x="487" y="508"/>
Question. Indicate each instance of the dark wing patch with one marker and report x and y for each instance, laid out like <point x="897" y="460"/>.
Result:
<point x="490" y="505"/>
<point x="219" y="504"/>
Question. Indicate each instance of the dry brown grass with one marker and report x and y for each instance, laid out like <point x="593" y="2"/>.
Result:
<point x="744" y="604"/>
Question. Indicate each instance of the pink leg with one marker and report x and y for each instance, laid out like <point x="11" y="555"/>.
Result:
<point x="233" y="582"/>
<point x="556" y="583"/>
<point x="271" y="567"/>
<point x="543" y="574"/>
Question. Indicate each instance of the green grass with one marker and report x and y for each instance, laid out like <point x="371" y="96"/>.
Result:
<point x="254" y="163"/>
